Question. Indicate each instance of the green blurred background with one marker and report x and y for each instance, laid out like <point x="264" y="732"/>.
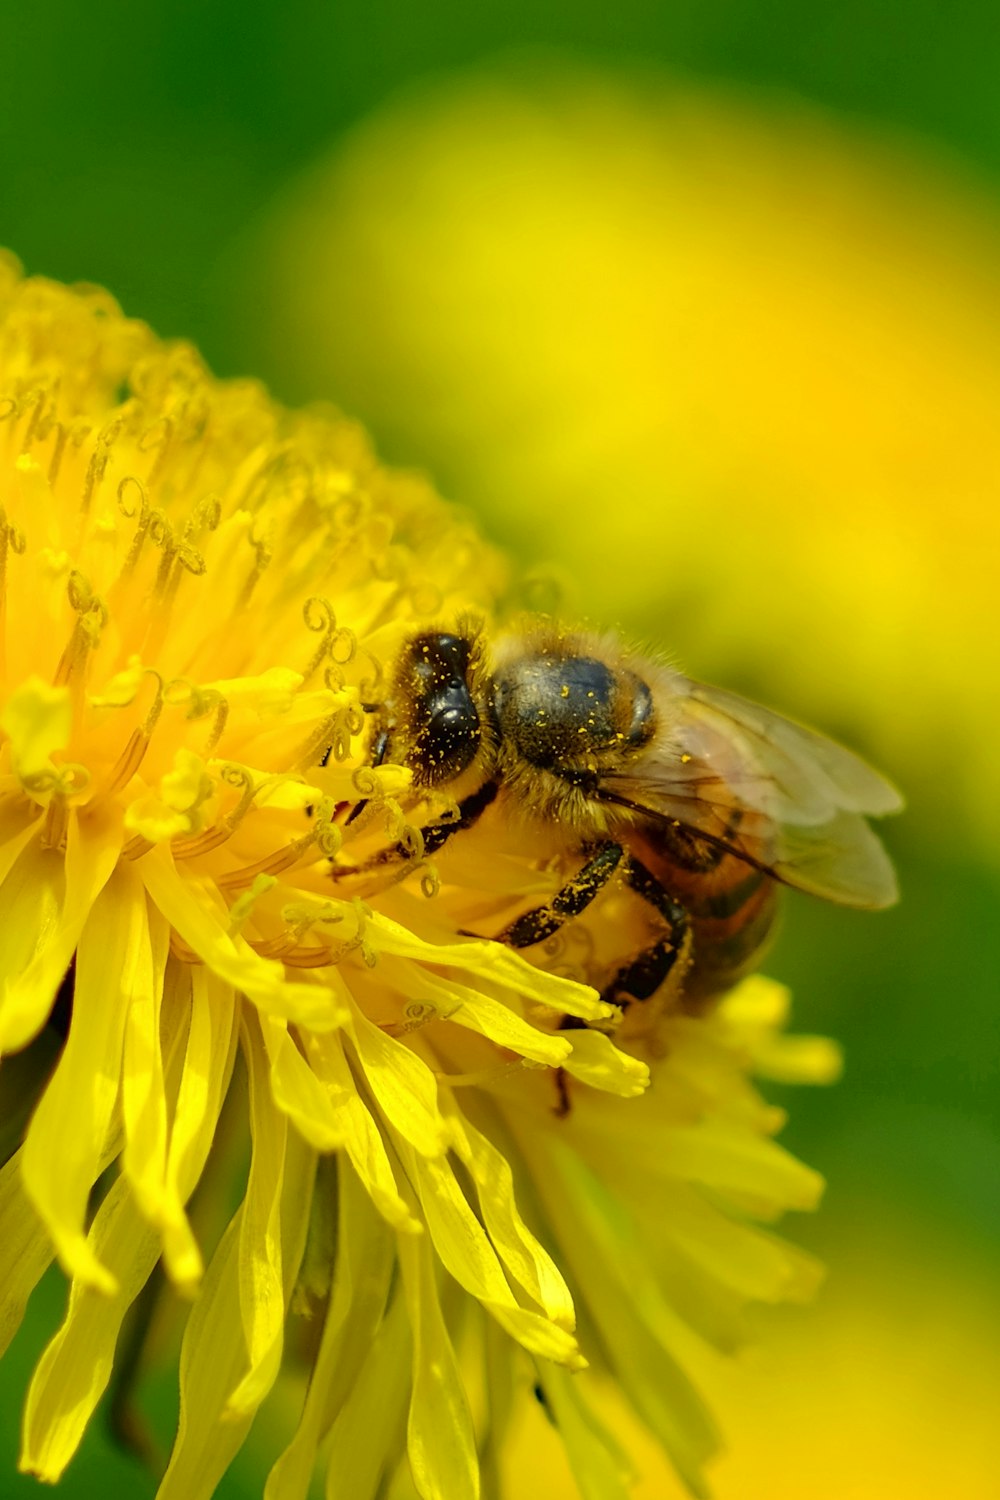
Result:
<point x="396" y="206"/>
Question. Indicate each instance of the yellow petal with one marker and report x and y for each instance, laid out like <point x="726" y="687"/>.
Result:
<point x="757" y="1004"/>
<point x="214" y="1357"/>
<point x="752" y="1172"/>
<point x="144" y="1101"/>
<point x="269" y="693"/>
<point x="403" y="1086"/>
<point x="25" y="1249"/>
<point x="203" y="923"/>
<point x="46" y="901"/>
<point x="492" y="961"/>
<point x="15" y="835"/>
<point x="597" y="1061"/>
<point x="477" y="1011"/>
<point x="375" y="1408"/>
<point x="75" y="1367"/>
<point x="364" y="1265"/>
<point x="212" y="1360"/>
<point x="467" y="1253"/>
<point x="723" y="1252"/>
<point x="207" y="1067"/>
<point x="759" y="1174"/>
<point x="636" y="1329"/>
<point x="523" y="1257"/>
<point x="262" y="1303"/>
<point x="37" y="719"/>
<point x="66" y="1138"/>
<point x="599" y="1466"/>
<point x="440" y="1441"/>
<point x="299" y="1093"/>
<point x="362" y="1140"/>
<point x="153" y="819"/>
<point x="798" y="1059"/>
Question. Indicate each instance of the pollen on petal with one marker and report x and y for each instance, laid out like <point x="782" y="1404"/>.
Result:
<point x="37" y="718"/>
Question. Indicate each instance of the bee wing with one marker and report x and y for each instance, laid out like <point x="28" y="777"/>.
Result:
<point x="842" y="860"/>
<point x="772" y="793"/>
<point x="796" y="767"/>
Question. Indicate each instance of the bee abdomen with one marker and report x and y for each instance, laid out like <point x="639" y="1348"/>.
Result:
<point x="730" y="926"/>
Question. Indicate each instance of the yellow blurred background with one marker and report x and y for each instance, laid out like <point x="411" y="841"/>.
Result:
<point x="887" y="1390"/>
<point x="698" y="312"/>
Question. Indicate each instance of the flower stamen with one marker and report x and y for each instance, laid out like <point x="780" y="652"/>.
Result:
<point x="339" y="644"/>
<point x="272" y="864"/>
<point x="131" y="758"/>
<point x="92" y="616"/>
<point x="97" y="467"/>
<point x="332" y="738"/>
<point x="262" y="556"/>
<point x="142" y="524"/>
<point x="200" y="702"/>
<point x="211" y="838"/>
<point x="156" y="440"/>
<point x="12" y="539"/>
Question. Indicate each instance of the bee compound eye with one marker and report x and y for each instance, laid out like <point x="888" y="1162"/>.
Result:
<point x="451" y="739"/>
<point x="451" y="727"/>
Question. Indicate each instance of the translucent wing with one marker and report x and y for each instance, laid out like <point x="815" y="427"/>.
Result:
<point x="800" y="766"/>
<point x="771" y="792"/>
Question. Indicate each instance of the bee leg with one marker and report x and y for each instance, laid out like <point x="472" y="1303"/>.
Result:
<point x="470" y="809"/>
<point x="572" y="899"/>
<point x="644" y="975"/>
<point x="569" y="901"/>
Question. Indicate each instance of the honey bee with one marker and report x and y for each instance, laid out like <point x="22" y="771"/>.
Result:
<point x="702" y="802"/>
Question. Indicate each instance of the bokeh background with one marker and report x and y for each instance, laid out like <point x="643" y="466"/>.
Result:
<point x="698" y="308"/>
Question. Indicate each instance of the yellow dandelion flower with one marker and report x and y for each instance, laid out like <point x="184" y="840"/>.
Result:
<point x="199" y="595"/>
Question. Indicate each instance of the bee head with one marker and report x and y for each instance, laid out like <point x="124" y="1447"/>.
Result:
<point x="430" y="721"/>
